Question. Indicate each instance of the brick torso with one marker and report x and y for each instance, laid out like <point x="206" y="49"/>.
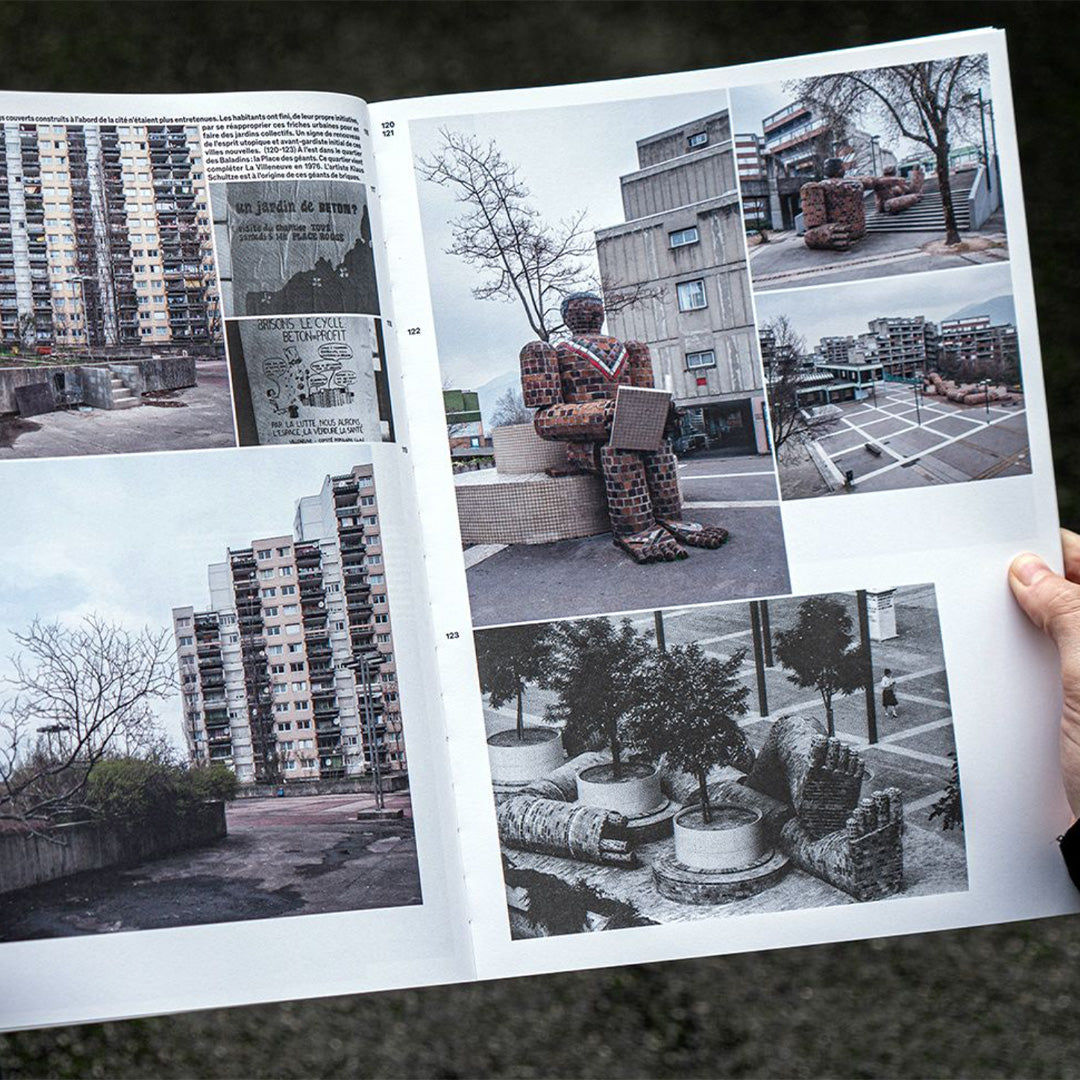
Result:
<point x="591" y="367"/>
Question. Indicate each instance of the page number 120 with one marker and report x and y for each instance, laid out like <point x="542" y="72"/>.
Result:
<point x="387" y="128"/>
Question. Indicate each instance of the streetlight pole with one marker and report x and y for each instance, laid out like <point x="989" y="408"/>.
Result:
<point x="367" y="664"/>
<point x="915" y="388"/>
<point x="985" y="384"/>
<point x="986" y="148"/>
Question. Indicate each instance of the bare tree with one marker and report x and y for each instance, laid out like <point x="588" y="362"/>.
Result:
<point x="929" y="103"/>
<point x="77" y="695"/>
<point x="510" y="409"/>
<point x="782" y="352"/>
<point x="520" y="257"/>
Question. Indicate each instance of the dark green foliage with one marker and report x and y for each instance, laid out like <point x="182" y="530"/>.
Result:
<point x="949" y="807"/>
<point x="140" y="792"/>
<point x="510" y="657"/>
<point x="596" y="670"/>
<point x="820" y="651"/>
<point x="689" y="713"/>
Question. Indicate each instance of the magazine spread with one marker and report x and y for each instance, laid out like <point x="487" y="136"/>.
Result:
<point x="487" y="535"/>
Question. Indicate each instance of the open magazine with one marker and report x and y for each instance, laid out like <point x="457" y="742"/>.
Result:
<point x="478" y="536"/>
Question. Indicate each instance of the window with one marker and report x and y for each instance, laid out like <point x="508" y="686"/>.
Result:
<point x="287" y="725"/>
<point x="281" y="688"/>
<point x="262" y="553"/>
<point x="289" y="609"/>
<point x="375" y="579"/>
<point x="299" y="687"/>
<point x="682" y="237"/>
<point x="295" y="648"/>
<point x="292" y="628"/>
<point x="382" y="617"/>
<point x="277" y="669"/>
<point x="290" y="766"/>
<point x="269" y="592"/>
<point x="297" y="667"/>
<point x="691" y="295"/>
<point x="286" y="571"/>
<point x="186" y="640"/>
<point x="304" y="725"/>
<point x="264" y="574"/>
<point x="273" y="631"/>
<point x="699" y="138"/>
<point x="383" y="639"/>
<point x="274" y="650"/>
<point x="183" y="621"/>
<point x="703" y="359"/>
<point x="268" y="611"/>
<point x="288" y="590"/>
<point x="281" y="706"/>
<point x="283" y="551"/>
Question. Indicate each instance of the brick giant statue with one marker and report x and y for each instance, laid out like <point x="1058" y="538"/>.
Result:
<point x="833" y="210"/>
<point x="572" y="386"/>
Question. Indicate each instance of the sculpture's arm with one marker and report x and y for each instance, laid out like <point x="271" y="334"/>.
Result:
<point x="583" y="421"/>
<point x="540" y="375"/>
<point x="641" y="369"/>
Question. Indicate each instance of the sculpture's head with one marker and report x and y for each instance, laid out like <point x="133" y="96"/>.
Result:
<point x="889" y="170"/>
<point x="583" y="313"/>
<point x="834" y="168"/>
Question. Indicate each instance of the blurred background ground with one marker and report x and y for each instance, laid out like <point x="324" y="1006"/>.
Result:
<point x="995" y="1001"/>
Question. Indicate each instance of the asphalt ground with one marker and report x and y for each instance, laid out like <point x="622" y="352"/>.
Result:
<point x="292" y="856"/>
<point x="934" y="442"/>
<point x="195" y="418"/>
<point x="786" y="262"/>
<point x="572" y="578"/>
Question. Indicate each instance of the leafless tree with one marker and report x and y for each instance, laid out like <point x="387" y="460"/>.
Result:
<point x="930" y="103"/>
<point x="783" y="350"/>
<point x="77" y="695"/>
<point x="510" y="409"/>
<point x="519" y="256"/>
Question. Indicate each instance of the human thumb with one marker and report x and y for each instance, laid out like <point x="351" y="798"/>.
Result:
<point x="1050" y="601"/>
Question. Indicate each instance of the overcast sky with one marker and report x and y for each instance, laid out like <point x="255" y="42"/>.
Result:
<point x="839" y="310"/>
<point x="570" y="158"/>
<point x="130" y="537"/>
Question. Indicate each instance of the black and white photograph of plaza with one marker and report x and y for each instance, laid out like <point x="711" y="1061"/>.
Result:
<point x="865" y="174"/>
<point x="723" y="760"/>
<point x="897" y="383"/>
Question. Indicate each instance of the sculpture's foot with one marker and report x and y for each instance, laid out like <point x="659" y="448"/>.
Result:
<point x="566" y="470"/>
<point x="693" y="534"/>
<point x="900" y="203"/>
<point x="830" y="789"/>
<point x="652" y="545"/>
<point x="831" y="237"/>
<point x="866" y="858"/>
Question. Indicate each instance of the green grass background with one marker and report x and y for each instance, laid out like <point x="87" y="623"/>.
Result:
<point x="988" y="1002"/>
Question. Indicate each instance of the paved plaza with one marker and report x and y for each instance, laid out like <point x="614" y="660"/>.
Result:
<point x="920" y="442"/>
<point x="300" y="855"/>
<point x="786" y="262"/>
<point x="527" y="582"/>
<point x="198" y="417"/>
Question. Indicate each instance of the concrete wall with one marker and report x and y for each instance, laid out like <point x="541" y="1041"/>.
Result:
<point x="26" y="859"/>
<point x="360" y="785"/>
<point x="518" y="450"/>
<point x="13" y="377"/>
<point x="158" y="373"/>
<point x="97" y="387"/>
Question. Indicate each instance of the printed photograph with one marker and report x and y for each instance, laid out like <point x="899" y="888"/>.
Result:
<point x="110" y="320"/>
<point x="870" y="173"/>
<point x="291" y="247"/>
<point x="602" y="380"/>
<point x="722" y="760"/>
<point x="199" y="710"/>
<point x="309" y="378"/>
<point x="895" y="384"/>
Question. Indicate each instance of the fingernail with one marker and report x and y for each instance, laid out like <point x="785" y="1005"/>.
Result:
<point x="1028" y="569"/>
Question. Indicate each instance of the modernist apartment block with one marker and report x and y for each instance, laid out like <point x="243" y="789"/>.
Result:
<point x="675" y="277"/>
<point x="105" y="237"/>
<point x="968" y="348"/>
<point x="289" y="674"/>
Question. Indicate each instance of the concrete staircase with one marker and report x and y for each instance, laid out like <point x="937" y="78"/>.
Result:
<point x="120" y="395"/>
<point x="927" y="215"/>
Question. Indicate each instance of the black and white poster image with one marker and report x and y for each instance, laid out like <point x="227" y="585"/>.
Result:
<point x="722" y="760"/>
<point x="294" y="246"/>
<point x="309" y="378"/>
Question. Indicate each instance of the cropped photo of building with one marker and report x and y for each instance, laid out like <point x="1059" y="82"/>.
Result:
<point x="105" y="238"/>
<point x="288" y="675"/>
<point x="680" y="263"/>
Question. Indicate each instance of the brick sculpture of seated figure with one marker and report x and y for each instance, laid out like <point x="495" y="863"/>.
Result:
<point x="893" y="193"/>
<point x="572" y="386"/>
<point x="833" y="210"/>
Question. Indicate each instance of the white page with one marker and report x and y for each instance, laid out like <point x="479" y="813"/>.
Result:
<point x="954" y="538"/>
<point x="94" y="975"/>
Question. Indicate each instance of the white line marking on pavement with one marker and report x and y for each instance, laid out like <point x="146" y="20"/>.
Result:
<point x="749" y="504"/>
<point x="724" y="475"/>
<point x="924" y="802"/>
<point x="932" y="725"/>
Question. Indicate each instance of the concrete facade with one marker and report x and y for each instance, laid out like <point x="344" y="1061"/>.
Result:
<point x="264" y="676"/>
<point x="682" y="250"/>
<point x="105" y="237"/>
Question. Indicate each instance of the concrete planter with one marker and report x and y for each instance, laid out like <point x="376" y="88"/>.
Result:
<point x="635" y="794"/>
<point x="520" y="761"/>
<point x="733" y="840"/>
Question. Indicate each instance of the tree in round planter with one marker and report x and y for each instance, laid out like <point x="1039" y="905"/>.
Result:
<point x="596" y="670"/>
<point x="690" y="714"/>
<point x="820" y="651"/>
<point x="507" y="660"/>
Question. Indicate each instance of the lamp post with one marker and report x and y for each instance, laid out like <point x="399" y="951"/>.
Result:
<point x="985" y="384"/>
<point x="915" y="388"/>
<point x="367" y="663"/>
<point x="874" y="140"/>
